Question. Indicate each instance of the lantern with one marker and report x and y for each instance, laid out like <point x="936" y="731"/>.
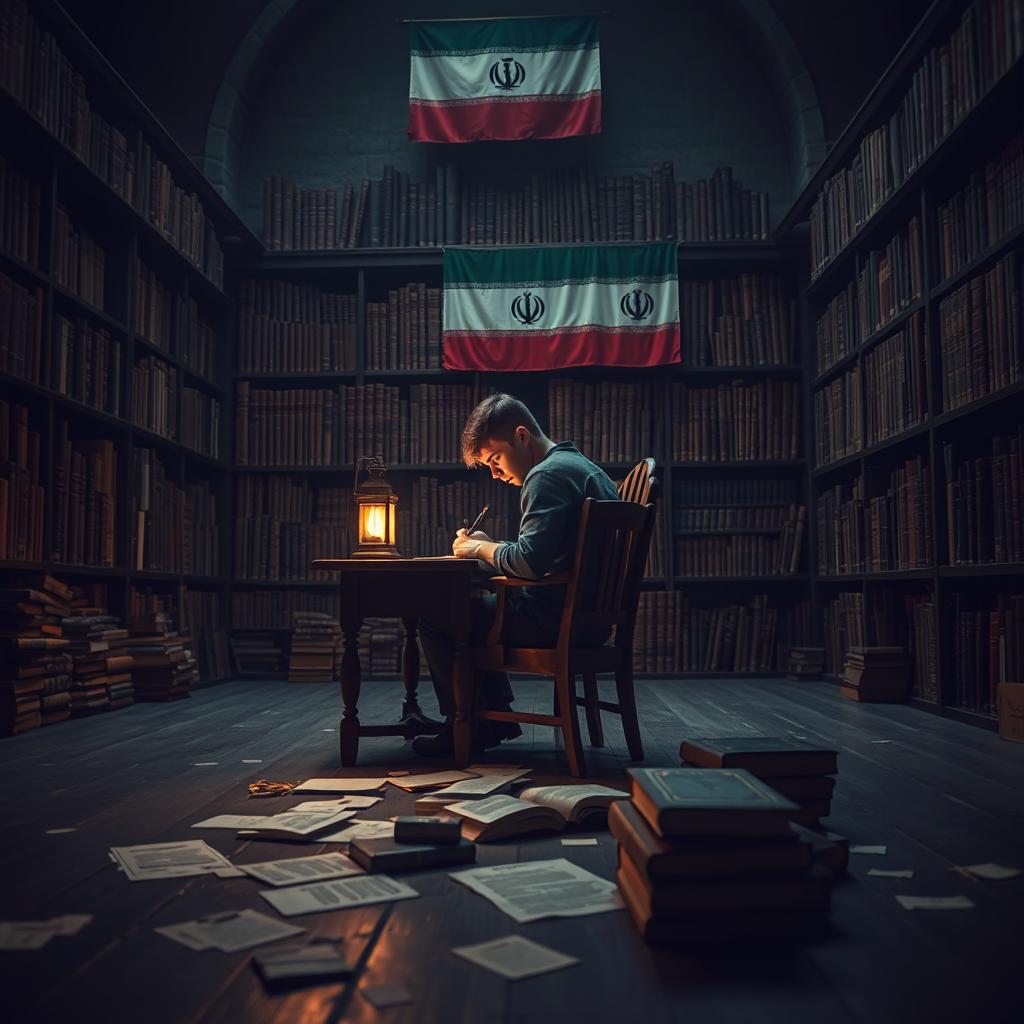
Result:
<point x="375" y="511"/>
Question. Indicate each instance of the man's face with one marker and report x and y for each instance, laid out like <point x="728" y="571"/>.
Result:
<point x="508" y="461"/>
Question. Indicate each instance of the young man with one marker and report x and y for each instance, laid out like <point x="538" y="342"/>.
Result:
<point x="502" y="436"/>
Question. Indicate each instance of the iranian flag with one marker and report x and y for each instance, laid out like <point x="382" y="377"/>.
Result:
<point x="544" y="308"/>
<point x="514" y="78"/>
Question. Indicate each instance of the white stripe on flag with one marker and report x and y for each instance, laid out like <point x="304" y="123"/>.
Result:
<point x="466" y="77"/>
<point x="565" y="306"/>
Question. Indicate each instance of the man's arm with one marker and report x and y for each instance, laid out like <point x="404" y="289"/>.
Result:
<point x="477" y="545"/>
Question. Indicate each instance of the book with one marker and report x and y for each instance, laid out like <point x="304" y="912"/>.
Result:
<point x="760" y="755"/>
<point x="658" y="859"/>
<point x="538" y="809"/>
<point x="421" y="829"/>
<point x="391" y="855"/>
<point x="708" y="801"/>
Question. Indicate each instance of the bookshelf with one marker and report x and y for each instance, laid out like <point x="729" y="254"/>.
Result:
<point x="902" y="468"/>
<point x="370" y="274"/>
<point x="120" y="241"/>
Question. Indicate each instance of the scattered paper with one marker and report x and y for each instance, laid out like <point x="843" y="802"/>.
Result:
<point x="355" y="803"/>
<point x="546" y="888"/>
<point x="879" y="850"/>
<point x="515" y="957"/>
<point x="383" y="996"/>
<point x="412" y="783"/>
<point x="360" y="830"/>
<point x="991" y="872"/>
<point x="169" y="860"/>
<point x="229" y="932"/>
<point x="339" y="785"/>
<point x="25" y="934"/>
<point x="205" y="764"/>
<point x="883" y="873"/>
<point x="579" y="842"/>
<point x="233" y="821"/>
<point x="337" y="895"/>
<point x="302" y="869"/>
<point x="58" y="831"/>
<point x="296" y="824"/>
<point x="252" y="760"/>
<point x="294" y="963"/>
<point x="488" y="782"/>
<point x="69" y="924"/>
<point x="934" y="902"/>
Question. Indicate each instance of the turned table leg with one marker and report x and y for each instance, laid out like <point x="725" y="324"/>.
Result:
<point x="351" y="680"/>
<point x="464" y="696"/>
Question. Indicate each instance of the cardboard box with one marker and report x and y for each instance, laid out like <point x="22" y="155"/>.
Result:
<point x="1011" y="711"/>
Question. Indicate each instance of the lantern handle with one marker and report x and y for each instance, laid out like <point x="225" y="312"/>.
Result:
<point x="368" y="462"/>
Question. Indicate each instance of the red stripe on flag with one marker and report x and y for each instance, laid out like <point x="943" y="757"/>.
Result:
<point x="531" y="119"/>
<point x="463" y="351"/>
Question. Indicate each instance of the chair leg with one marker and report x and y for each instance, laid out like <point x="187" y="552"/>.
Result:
<point x="627" y="707"/>
<point x="591" y="696"/>
<point x="565" y="686"/>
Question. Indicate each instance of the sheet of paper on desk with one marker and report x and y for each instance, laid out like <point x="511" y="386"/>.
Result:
<point x="339" y="785"/>
<point x="233" y="821"/>
<point x="170" y="860"/>
<point x="487" y="783"/>
<point x="302" y="869"/>
<point x="514" y="957"/>
<point x="229" y="932"/>
<point x="337" y="895"/>
<point x="537" y="889"/>
<point x="303" y="823"/>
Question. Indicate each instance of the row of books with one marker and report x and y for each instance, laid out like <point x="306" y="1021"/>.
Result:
<point x="988" y="208"/>
<point x="153" y="308"/>
<point x="840" y="522"/>
<point x="983" y="503"/>
<point x="293" y="328"/>
<point x="741" y="554"/>
<point x="79" y="262"/>
<point x="610" y="422"/>
<point x="273" y="608"/>
<point x="20" y="213"/>
<point x="721" y="519"/>
<point x="889" y="280"/>
<point x="843" y="629"/>
<point x="39" y="74"/>
<point x="925" y="684"/>
<point x="744" y="320"/>
<point x="568" y="204"/>
<point x="200" y="422"/>
<point x="21" y="329"/>
<point x="981" y="337"/>
<point x="896" y="382"/>
<point x="736" y="421"/>
<point x="203" y="621"/>
<point x="674" y="635"/>
<point x="838" y="418"/>
<point x="154" y="400"/>
<point x="321" y="427"/>
<point x="404" y="333"/>
<point x="85" y="364"/>
<point x="988" y="648"/>
<point x="951" y="78"/>
<point x="84" y="498"/>
<point x="313" y="650"/>
<point x="729" y="493"/>
<point x="196" y="339"/>
<point x="22" y="494"/>
<point x="837" y="332"/>
<point x="381" y="643"/>
<point x="897" y="525"/>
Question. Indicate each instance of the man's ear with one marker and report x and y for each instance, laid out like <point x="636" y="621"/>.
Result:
<point x="522" y="435"/>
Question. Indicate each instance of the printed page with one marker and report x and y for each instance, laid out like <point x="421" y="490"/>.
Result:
<point x="537" y="889"/>
<point x="359" y="830"/>
<point x="339" y="785"/>
<point x="338" y="895"/>
<point x="229" y="931"/>
<point x="304" y="823"/>
<point x="302" y="869"/>
<point x="487" y="783"/>
<point x="410" y="783"/>
<point x="564" y="799"/>
<point x="490" y="809"/>
<point x="354" y="803"/>
<point x="169" y="860"/>
<point x="514" y="957"/>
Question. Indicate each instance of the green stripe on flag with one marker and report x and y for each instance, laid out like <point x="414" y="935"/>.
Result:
<point x="472" y="266"/>
<point x="439" y="38"/>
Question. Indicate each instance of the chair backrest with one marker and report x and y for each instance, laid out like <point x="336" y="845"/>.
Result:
<point x="641" y="484"/>
<point x="611" y="552"/>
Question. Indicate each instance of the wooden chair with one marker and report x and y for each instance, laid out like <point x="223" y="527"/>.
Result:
<point x="602" y="589"/>
<point x="640" y="486"/>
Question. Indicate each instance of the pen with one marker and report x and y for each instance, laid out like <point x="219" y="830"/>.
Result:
<point x="476" y="523"/>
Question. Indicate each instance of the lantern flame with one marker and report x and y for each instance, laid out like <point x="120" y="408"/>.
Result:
<point x="374" y="526"/>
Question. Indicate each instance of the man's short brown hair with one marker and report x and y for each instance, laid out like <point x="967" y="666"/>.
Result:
<point x="496" y="417"/>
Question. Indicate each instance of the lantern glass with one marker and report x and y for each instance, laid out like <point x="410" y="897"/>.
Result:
<point x="373" y="523"/>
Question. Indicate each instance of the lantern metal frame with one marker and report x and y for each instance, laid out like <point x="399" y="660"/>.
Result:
<point x="374" y="491"/>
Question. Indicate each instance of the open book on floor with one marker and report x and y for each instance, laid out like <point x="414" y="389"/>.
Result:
<point x="537" y="809"/>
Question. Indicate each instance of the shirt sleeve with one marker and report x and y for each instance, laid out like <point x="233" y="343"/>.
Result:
<point x="547" y="513"/>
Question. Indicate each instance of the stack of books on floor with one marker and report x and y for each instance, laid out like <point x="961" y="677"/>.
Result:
<point x="103" y="670"/>
<point x="164" y="668"/>
<point x="314" y="647"/>
<point x="799" y="771"/>
<point x="256" y="654"/>
<point x="709" y="857"/>
<point x="805" y="663"/>
<point x="35" y="668"/>
<point x="876" y="674"/>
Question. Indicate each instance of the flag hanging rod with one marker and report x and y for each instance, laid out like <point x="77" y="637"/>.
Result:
<point x="506" y="17"/>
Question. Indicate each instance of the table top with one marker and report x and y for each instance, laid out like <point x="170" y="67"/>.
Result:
<point x="442" y="563"/>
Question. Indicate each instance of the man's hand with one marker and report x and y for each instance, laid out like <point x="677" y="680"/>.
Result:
<point x="467" y="545"/>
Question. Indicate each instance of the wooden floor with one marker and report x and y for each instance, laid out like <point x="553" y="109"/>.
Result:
<point x="938" y="794"/>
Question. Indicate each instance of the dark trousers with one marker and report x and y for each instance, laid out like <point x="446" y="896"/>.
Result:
<point x="493" y="692"/>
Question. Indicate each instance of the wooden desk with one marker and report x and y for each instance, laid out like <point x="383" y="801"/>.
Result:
<point x="405" y="588"/>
